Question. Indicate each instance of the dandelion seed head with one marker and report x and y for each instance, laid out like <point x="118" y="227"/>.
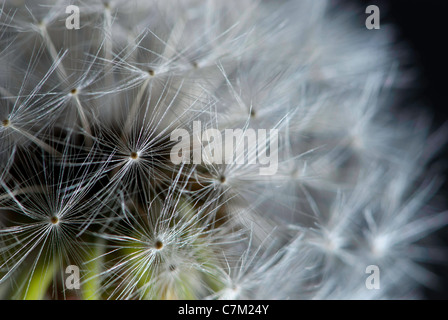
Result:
<point x="380" y="245"/>
<point x="134" y="155"/>
<point x="87" y="179"/>
<point x="42" y="25"/>
<point x="54" y="220"/>
<point x="222" y="179"/>
<point x="253" y="114"/>
<point x="158" y="244"/>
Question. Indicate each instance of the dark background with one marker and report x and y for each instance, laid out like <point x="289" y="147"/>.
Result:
<point x="422" y="24"/>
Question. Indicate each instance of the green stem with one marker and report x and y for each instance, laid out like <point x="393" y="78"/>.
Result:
<point x="91" y="288"/>
<point x="35" y="286"/>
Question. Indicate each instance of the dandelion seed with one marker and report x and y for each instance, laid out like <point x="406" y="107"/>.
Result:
<point x="54" y="220"/>
<point x="158" y="245"/>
